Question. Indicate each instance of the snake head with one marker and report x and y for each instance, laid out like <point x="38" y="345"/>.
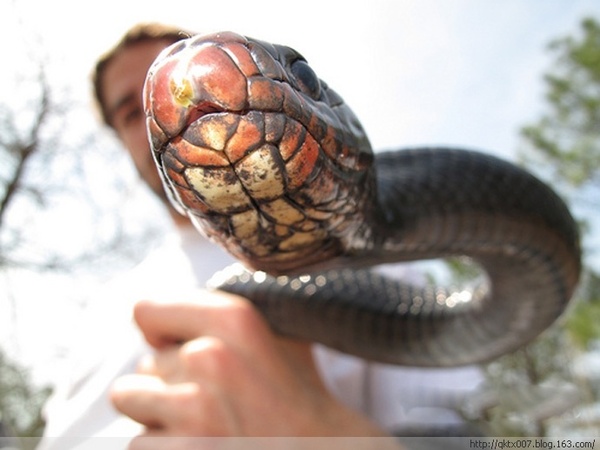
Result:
<point x="260" y="153"/>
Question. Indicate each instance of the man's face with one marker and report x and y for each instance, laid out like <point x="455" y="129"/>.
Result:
<point x="122" y="84"/>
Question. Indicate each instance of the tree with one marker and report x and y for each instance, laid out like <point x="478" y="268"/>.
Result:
<point x="63" y="200"/>
<point x="47" y="164"/>
<point x="568" y="136"/>
<point x="20" y="403"/>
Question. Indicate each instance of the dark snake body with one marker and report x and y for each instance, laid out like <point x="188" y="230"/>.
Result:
<point x="269" y="162"/>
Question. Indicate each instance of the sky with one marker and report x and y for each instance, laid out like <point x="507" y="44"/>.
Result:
<point x="460" y="72"/>
<point x="464" y="73"/>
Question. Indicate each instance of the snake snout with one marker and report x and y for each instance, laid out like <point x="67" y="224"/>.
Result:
<point x="182" y="85"/>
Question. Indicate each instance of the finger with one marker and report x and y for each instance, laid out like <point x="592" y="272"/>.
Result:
<point x="183" y="409"/>
<point x="157" y="321"/>
<point x="213" y="313"/>
<point x="137" y="396"/>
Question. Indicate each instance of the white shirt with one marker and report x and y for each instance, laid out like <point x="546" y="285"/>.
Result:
<point x="79" y="414"/>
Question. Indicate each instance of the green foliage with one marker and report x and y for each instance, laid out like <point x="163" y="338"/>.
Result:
<point x="463" y="269"/>
<point x="568" y="135"/>
<point x="583" y="322"/>
<point x="20" y="401"/>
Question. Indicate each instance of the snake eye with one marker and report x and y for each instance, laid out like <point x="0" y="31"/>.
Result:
<point x="307" y="80"/>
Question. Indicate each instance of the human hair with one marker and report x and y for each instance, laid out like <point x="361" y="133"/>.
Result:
<point x="142" y="32"/>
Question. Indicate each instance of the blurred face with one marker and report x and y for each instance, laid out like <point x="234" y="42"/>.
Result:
<point x="122" y="83"/>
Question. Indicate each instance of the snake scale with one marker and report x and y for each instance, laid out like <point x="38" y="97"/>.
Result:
<point x="269" y="162"/>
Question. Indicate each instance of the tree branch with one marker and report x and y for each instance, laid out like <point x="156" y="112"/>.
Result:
<point x="24" y="151"/>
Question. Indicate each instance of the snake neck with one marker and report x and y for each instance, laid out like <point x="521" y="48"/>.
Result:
<point x="439" y="202"/>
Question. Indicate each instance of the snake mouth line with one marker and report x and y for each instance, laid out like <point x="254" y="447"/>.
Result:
<point x="199" y="111"/>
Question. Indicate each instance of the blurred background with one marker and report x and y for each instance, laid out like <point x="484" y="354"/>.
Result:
<point x="517" y="78"/>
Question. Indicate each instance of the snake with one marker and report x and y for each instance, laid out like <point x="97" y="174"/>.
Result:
<point x="268" y="161"/>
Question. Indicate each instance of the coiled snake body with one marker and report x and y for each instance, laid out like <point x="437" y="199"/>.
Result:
<point x="268" y="161"/>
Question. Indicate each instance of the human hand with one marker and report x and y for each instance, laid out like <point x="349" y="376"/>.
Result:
<point x="218" y="370"/>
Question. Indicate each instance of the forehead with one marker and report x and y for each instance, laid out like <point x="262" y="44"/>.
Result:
<point x="124" y="76"/>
